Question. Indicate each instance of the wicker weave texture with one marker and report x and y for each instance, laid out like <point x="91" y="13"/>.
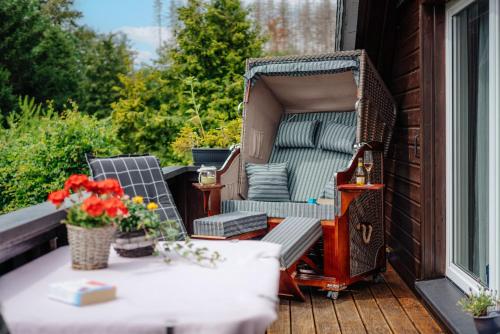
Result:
<point x="90" y="246"/>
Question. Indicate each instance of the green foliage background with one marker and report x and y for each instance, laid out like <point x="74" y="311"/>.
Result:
<point x="81" y="93"/>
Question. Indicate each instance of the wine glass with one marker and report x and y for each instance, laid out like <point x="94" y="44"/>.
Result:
<point x="368" y="165"/>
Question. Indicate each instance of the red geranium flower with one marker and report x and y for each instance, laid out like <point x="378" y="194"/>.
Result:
<point x="114" y="206"/>
<point x="109" y="186"/>
<point x="93" y="206"/>
<point x="76" y="182"/>
<point x="57" y="197"/>
<point x="91" y="186"/>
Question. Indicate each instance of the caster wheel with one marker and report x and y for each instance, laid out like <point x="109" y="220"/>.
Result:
<point x="334" y="295"/>
<point x="378" y="278"/>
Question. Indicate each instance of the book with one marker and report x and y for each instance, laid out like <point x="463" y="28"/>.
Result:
<point x="82" y="292"/>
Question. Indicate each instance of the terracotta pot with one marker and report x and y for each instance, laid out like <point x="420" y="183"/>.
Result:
<point x="133" y="244"/>
<point x="90" y="246"/>
<point x="489" y="324"/>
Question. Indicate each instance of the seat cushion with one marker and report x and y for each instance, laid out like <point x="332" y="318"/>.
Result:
<point x="295" y="235"/>
<point x="338" y="137"/>
<point x="310" y="169"/>
<point x="230" y="224"/>
<point x="281" y="209"/>
<point x="268" y="182"/>
<point x="296" y="134"/>
<point x="140" y="176"/>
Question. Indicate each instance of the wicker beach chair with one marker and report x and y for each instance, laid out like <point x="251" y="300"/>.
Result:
<point x="341" y="88"/>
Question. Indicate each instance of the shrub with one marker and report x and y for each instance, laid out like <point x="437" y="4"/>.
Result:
<point x="39" y="149"/>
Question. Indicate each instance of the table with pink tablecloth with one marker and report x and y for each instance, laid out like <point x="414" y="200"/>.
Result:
<point x="238" y="296"/>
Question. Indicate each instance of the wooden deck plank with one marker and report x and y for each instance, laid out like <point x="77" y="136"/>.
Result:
<point x="282" y="324"/>
<point x="347" y="314"/>
<point x="324" y="314"/>
<point x="392" y="310"/>
<point x="369" y="311"/>
<point x="301" y="316"/>
<point x="417" y="313"/>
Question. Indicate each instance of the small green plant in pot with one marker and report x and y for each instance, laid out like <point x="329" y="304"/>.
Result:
<point x="201" y="145"/>
<point x="483" y="307"/>
<point x="137" y="231"/>
<point x="142" y="233"/>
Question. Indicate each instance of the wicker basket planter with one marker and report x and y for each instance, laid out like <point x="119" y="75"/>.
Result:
<point x="133" y="244"/>
<point x="90" y="246"/>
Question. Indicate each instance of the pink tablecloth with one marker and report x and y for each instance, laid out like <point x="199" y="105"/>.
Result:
<point x="239" y="296"/>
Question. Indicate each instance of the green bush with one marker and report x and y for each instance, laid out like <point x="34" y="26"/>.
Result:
<point x="40" y="148"/>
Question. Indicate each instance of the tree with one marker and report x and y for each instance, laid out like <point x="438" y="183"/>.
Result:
<point x="61" y="12"/>
<point x="104" y="58"/>
<point x="212" y="44"/>
<point x="37" y="56"/>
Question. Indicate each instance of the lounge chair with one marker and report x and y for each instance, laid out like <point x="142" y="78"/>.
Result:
<point x="341" y="88"/>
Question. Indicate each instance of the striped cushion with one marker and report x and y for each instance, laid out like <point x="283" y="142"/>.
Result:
<point x="268" y="182"/>
<point x="282" y="209"/>
<point x="295" y="235"/>
<point x="310" y="169"/>
<point x="230" y="224"/>
<point x="296" y="134"/>
<point x="338" y="137"/>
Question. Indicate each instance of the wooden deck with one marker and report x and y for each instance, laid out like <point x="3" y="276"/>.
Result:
<point x="387" y="307"/>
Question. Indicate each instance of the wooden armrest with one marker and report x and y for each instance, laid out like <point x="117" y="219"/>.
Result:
<point x="234" y="154"/>
<point x="349" y="187"/>
<point x="344" y="177"/>
<point x="349" y="192"/>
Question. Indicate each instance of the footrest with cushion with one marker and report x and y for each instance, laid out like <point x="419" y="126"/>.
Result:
<point x="295" y="235"/>
<point x="227" y="225"/>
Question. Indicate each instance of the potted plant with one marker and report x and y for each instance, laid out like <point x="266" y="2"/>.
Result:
<point x="483" y="306"/>
<point x="137" y="231"/>
<point x="96" y="210"/>
<point x="208" y="147"/>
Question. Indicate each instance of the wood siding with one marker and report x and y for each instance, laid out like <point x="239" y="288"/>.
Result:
<point x="407" y="46"/>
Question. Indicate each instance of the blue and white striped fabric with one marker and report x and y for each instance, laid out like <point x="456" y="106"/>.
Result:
<point x="338" y="137"/>
<point x="282" y="209"/>
<point x="230" y="224"/>
<point x="295" y="235"/>
<point x="296" y="134"/>
<point x="268" y="182"/>
<point x="310" y="169"/>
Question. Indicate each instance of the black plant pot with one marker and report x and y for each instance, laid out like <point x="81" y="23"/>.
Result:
<point x="489" y="324"/>
<point x="210" y="156"/>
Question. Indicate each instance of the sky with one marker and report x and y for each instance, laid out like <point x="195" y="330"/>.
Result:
<point x="135" y="18"/>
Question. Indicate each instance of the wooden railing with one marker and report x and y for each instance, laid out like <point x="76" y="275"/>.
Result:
<point x="36" y="230"/>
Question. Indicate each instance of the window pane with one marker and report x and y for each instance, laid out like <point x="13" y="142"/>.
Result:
<point x="470" y="139"/>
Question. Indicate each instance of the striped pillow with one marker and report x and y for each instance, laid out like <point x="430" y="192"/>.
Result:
<point x="268" y="182"/>
<point x="338" y="137"/>
<point x="296" y="134"/>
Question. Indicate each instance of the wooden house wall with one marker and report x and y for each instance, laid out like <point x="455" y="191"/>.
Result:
<point x="407" y="45"/>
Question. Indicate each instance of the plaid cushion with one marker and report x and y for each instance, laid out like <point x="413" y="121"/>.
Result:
<point x="268" y="182"/>
<point x="230" y="224"/>
<point x="296" y="235"/>
<point x="296" y="134"/>
<point x="139" y="176"/>
<point x="338" y="137"/>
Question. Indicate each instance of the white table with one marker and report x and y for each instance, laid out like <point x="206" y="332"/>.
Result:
<point x="239" y="296"/>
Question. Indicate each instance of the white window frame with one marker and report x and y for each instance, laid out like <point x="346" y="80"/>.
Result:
<point x="455" y="273"/>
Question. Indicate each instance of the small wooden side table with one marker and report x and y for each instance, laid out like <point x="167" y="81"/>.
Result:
<point x="350" y="192"/>
<point x="210" y="208"/>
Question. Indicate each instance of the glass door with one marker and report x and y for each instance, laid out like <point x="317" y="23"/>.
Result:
<point x="470" y="147"/>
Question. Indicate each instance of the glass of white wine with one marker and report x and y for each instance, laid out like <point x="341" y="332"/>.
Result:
<point x="368" y="165"/>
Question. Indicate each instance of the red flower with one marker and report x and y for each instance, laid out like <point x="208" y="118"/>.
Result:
<point x="57" y="197"/>
<point x="91" y="186"/>
<point x="109" y="186"/>
<point x="93" y="206"/>
<point x="76" y="182"/>
<point x="114" y="206"/>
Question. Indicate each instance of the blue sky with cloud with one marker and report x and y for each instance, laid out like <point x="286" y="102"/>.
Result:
<point x="135" y="18"/>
